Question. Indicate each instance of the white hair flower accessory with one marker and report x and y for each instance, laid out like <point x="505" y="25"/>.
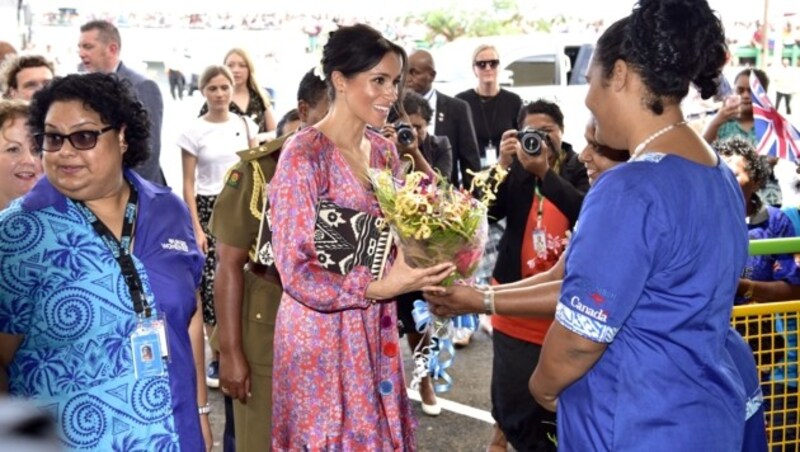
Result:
<point x="319" y="71"/>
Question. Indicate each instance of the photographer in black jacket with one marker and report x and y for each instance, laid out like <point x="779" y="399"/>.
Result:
<point x="411" y="130"/>
<point x="540" y="199"/>
<point x="560" y="177"/>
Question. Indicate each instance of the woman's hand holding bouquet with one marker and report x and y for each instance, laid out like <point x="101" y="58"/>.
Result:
<point x="402" y="278"/>
<point x="433" y="222"/>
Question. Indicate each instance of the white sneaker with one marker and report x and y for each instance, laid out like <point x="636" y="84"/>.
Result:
<point x="485" y="323"/>
<point x="212" y="375"/>
<point x="461" y="337"/>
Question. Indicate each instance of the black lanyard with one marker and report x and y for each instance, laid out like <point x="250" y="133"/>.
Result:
<point x="121" y="249"/>
<point x="487" y="124"/>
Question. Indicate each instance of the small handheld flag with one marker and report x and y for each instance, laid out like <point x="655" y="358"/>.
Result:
<point x="775" y="136"/>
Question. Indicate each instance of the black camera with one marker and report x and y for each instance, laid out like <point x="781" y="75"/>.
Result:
<point x="532" y="139"/>
<point x="405" y="134"/>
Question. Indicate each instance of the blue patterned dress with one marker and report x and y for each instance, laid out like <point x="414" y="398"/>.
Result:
<point x="61" y="289"/>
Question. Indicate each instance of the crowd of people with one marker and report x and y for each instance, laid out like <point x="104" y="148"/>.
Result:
<point x="389" y="25"/>
<point x="313" y="25"/>
<point x="738" y="32"/>
<point x="608" y="279"/>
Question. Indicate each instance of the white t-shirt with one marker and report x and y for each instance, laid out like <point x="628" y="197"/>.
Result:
<point x="215" y="145"/>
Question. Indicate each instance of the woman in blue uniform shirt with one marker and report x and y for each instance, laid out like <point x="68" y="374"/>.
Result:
<point x="636" y="358"/>
<point x="98" y="314"/>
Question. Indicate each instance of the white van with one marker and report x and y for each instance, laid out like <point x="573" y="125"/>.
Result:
<point x="535" y="66"/>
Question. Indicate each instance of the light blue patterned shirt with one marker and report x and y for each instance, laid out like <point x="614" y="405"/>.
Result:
<point x="62" y="290"/>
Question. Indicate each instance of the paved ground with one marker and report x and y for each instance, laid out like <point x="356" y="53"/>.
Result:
<point x="453" y="431"/>
<point x="459" y="430"/>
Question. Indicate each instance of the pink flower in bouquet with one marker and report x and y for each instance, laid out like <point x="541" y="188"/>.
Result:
<point x="467" y="259"/>
<point x="433" y="221"/>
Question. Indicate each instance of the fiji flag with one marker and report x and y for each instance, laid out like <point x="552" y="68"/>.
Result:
<point x="775" y="136"/>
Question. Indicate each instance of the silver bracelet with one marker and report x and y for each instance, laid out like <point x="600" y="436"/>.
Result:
<point x="488" y="300"/>
<point x="204" y="409"/>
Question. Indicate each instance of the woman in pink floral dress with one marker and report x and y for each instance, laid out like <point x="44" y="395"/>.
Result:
<point x="338" y="371"/>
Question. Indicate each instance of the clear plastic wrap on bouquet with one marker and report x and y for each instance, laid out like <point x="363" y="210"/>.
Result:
<point x="464" y="252"/>
<point x="434" y="222"/>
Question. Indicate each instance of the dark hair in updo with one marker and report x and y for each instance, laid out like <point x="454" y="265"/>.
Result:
<point x="112" y="98"/>
<point x="669" y="43"/>
<point x="358" y="48"/>
<point x="312" y="89"/>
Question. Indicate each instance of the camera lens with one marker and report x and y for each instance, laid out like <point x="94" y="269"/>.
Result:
<point x="405" y="135"/>
<point x="531" y="140"/>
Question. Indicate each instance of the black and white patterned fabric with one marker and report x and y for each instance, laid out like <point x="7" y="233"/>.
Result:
<point x="264" y="254"/>
<point x="205" y="207"/>
<point x="344" y="238"/>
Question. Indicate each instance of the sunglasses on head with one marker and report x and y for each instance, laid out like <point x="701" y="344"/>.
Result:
<point x="82" y="140"/>
<point x="487" y="63"/>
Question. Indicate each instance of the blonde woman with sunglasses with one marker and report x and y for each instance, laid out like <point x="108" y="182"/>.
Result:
<point x="494" y="110"/>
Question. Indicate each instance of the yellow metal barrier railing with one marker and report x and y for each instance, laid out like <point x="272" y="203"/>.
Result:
<point x="771" y="331"/>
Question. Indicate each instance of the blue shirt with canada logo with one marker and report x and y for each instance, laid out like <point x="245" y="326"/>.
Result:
<point x="651" y="271"/>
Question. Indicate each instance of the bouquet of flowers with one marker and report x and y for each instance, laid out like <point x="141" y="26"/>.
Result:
<point x="433" y="222"/>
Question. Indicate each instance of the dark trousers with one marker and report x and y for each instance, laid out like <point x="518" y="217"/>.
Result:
<point x="781" y="96"/>
<point x="229" y="436"/>
<point x="177" y="82"/>
<point x="527" y="426"/>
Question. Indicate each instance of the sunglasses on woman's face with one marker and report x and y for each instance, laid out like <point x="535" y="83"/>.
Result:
<point x="82" y="140"/>
<point x="487" y="63"/>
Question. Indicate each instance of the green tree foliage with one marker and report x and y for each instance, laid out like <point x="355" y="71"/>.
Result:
<point x="503" y="17"/>
<point x="446" y="24"/>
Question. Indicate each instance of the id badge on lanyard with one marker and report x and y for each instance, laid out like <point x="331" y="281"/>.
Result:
<point x="149" y="347"/>
<point x="539" y="242"/>
<point x="539" y="237"/>
<point x="491" y="156"/>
